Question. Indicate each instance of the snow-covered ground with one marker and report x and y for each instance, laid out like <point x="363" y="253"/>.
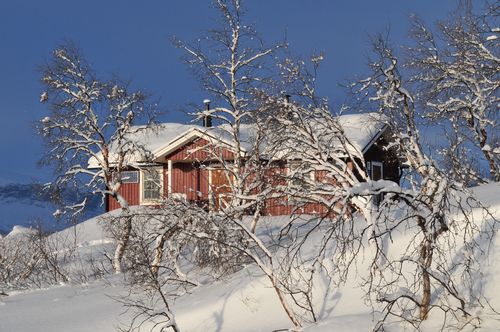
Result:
<point x="243" y="302"/>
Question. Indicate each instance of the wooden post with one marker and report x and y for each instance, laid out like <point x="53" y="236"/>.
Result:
<point x="169" y="176"/>
<point x="210" y="190"/>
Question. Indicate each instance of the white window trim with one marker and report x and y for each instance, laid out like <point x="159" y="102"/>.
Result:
<point x="143" y="201"/>
<point x="169" y="176"/>
<point x="211" y="194"/>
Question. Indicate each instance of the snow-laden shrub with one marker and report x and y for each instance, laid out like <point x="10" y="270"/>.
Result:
<point x="28" y="258"/>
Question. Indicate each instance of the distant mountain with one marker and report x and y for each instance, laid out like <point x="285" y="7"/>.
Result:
<point x="30" y="205"/>
<point x="23" y="192"/>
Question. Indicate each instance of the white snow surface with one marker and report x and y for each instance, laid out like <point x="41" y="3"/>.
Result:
<point x="244" y="302"/>
<point x="19" y="230"/>
<point x="361" y="129"/>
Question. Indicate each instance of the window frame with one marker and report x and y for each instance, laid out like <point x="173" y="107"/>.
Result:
<point x="377" y="198"/>
<point x="133" y="179"/>
<point x="151" y="201"/>
<point x="377" y="164"/>
<point x="369" y="167"/>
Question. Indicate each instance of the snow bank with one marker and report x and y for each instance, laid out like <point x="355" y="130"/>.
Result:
<point x="89" y="231"/>
<point x="243" y="303"/>
<point x="18" y="230"/>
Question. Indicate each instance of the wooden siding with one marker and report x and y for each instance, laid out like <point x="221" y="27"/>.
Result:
<point x="284" y="205"/>
<point x="190" y="179"/>
<point x="190" y="176"/>
<point x="129" y="191"/>
<point x="221" y="188"/>
<point x="197" y="150"/>
<point x="187" y="178"/>
<point x="278" y="205"/>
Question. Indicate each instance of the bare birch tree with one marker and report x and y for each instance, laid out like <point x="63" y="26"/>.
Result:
<point x="456" y="70"/>
<point x="436" y="211"/>
<point x="231" y="62"/>
<point x="232" y="65"/>
<point x="90" y="120"/>
<point x="323" y="166"/>
<point x="172" y="248"/>
<point x="424" y="276"/>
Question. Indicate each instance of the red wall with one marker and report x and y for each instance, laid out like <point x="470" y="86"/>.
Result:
<point x="284" y="205"/>
<point x="129" y="191"/>
<point x="196" y="150"/>
<point x="190" y="179"/>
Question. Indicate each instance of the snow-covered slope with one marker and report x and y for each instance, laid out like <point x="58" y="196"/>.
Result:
<point x="243" y="302"/>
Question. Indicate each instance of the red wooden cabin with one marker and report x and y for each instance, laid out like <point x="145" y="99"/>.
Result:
<point x="182" y="169"/>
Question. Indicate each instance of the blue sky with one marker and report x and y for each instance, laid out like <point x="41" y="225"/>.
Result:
<point x="131" y="39"/>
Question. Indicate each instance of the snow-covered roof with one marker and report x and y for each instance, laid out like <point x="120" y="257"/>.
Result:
<point x="360" y="129"/>
<point x="352" y="133"/>
<point x="151" y="138"/>
<point x="164" y="138"/>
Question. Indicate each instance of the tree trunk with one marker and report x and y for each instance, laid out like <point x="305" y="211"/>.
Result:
<point x="160" y="243"/>
<point x="425" y="261"/>
<point x="284" y="304"/>
<point x="255" y="218"/>
<point x="121" y="246"/>
<point x="482" y="137"/>
<point x="494" y="172"/>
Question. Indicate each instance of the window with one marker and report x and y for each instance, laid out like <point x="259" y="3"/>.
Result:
<point x="130" y="177"/>
<point x="376" y="172"/>
<point x="152" y="184"/>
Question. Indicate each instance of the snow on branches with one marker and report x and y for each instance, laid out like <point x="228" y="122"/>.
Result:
<point x="90" y="120"/>
<point x="438" y="211"/>
<point x="456" y="71"/>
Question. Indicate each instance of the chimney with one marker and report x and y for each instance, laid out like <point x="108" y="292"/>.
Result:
<point x="288" y="108"/>
<point x="287" y="99"/>
<point x="207" y="118"/>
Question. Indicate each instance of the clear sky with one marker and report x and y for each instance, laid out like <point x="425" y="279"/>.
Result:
<point x="131" y="39"/>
